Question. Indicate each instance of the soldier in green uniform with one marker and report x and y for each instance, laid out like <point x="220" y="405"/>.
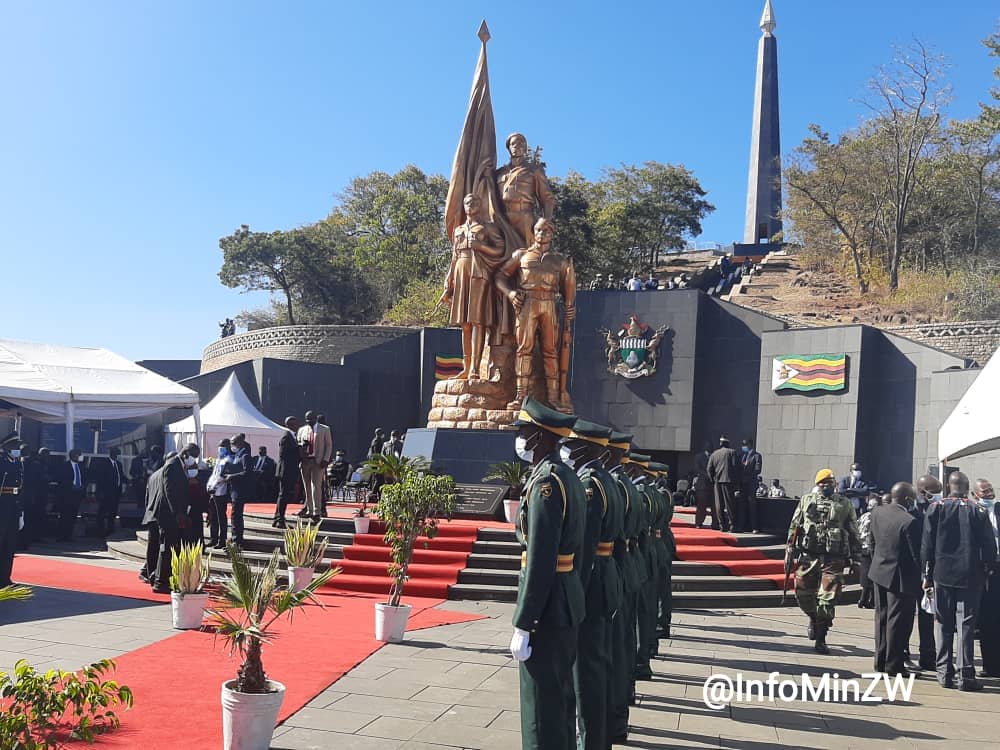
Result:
<point x="585" y="452"/>
<point x="645" y="616"/>
<point x="626" y="555"/>
<point x="550" y="597"/>
<point x="668" y="553"/>
<point x="823" y="537"/>
<point x="10" y="505"/>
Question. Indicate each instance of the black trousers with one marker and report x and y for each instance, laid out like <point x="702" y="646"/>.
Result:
<point x="592" y="680"/>
<point x="725" y="502"/>
<point x="107" y="511"/>
<point x="169" y="538"/>
<point x="704" y="501"/>
<point x="69" y="509"/>
<point x="867" y="586"/>
<point x="152" y="551"/>
<point x="9" y="515"/>
<point x="747" y="505"/>
<point x="666" y="597"/>
<point x="286" y="494"/>
<point x="989" y="627"/>
<point x="238" y="500"/>
<point x="893" y="625"/>
<point x="218" y="521"/>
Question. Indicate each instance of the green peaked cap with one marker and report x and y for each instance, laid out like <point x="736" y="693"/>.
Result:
<point x="537" y="413"/>
<point x="592" y="432"/>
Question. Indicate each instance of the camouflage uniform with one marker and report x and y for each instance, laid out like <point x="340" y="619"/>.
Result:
<point x="825" y="531"/>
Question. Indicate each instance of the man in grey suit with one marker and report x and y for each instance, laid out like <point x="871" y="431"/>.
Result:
<point x="316" y="446"/>
<point x="724" y="471"/>
<point x="167" y="501"/>
<point x="894" y="538"/>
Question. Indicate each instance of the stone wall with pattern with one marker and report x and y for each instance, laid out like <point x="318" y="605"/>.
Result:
<point x="975" y="340"/>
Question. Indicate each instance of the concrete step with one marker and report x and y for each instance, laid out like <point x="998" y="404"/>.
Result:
<point x="497" y="548"/>
<point x="345" y="525"/>
<point x="254" y="542"/>
<point x="135" y="551"/>
<point x="494" y="577"/>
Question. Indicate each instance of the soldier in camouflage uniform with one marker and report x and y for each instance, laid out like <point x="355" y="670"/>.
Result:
<point x="550" y="596"/>
<point x="633" y="573"/>
<point x="824" y="538"/>
<point x="585" y="452"/>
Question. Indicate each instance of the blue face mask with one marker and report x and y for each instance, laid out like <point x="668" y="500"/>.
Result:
<point x="746" y="449"/>
<point x="223" y="452"/>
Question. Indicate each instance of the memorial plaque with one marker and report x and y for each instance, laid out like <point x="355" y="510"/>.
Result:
<point x="479" y="500"/>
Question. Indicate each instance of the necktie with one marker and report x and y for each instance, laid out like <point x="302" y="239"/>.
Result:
<point x="118" y="474"/>
<point x="260" y="463"/>
<point x="76" y="475"/>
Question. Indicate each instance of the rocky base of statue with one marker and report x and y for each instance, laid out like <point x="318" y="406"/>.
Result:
<point x="472" y="405"/>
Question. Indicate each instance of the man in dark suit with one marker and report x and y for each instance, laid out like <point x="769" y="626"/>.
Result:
<point x="751" y="467"/>
<point x="10" y="504"/>
<point x="72" y="478"/>
<point x="239" y="474"/>
<point x="110" y="479"/>
<point x="724" y="472"/>
<point x="989" y="608"/>
<point x="167" y="503"/>
<point x="264" y="470"/>
<point x="288" y="470"/>
<point x="929" y="489"/>
<point x="957" y="550"/>
<point x="855" y="487"/>
<point x="894" y="538"/>
<point x="703" y="489"/>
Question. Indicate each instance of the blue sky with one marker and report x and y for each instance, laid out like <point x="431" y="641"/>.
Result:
<point x="136" y="134"/>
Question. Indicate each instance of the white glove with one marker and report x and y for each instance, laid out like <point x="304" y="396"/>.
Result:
<point x="520" y="649"/>
<point x="20" y="522"/>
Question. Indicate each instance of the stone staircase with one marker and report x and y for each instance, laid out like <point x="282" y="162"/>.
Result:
<point x="492" y="569"/>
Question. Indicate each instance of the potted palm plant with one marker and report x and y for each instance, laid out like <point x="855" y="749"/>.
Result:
<point x="189" y="571"/>
<point x="513" y="474"/>
<point x="303" y="553"/>
<point x="248" y="604"/>
<point x="410" y="507"/>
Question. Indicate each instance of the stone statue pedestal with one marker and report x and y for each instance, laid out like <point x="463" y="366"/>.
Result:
<point x="472" y="405"/>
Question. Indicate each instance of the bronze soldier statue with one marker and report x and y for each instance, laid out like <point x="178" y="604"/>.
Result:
<point x="478" y="248"/>
<point x="532" y="280"/>
<point x="524" y="190"/>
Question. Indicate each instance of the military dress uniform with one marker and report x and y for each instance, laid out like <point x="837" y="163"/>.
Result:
<point x="550" y="598"/>
<point x="646" y="603"/>
<point x="633" y="579"/>
<point x="10" y="507"/>
<point x="824" y="536"/>
<point x="602" y="587"/>
<point x="668" y="551"/>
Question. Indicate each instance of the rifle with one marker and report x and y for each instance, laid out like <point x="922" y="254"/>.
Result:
<point x="564" y="357"/>
<point x="790" y="562"/>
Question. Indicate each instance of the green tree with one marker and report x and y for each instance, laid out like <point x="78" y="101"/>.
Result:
<point x="260" y="261"/>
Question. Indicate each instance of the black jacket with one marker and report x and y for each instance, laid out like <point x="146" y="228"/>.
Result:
<point x="724" y="466"/>
<point x="64" y="476"/>
<point x="751" y="467"/>
<point x="958" y="542"/>
<point x="288" y="457"/>
<point x="895" y="545"/>
<point x="267" y="469"/>
<point x="167" y="495"/>
<point x="109" y="483"/>
<point x="240" y="474"/>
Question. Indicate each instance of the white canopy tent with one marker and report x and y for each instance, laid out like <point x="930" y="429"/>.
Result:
<point x="231" y="411"/>
<point x="68" y="384"/>
<point x="974" y="424"/>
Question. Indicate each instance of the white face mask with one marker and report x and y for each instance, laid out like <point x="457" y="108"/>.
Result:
<point x="189" y="462"/>
<point x="15" y="453"/>
<point x="856" y="474"/>
<point x="192" y="473"/>
<point x="565" y="455"/>
<point x="521" y="449"/>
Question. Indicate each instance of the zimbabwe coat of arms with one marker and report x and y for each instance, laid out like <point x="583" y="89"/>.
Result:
<point x="634" y="351"/>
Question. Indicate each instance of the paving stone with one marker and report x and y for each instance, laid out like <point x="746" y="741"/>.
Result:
<point x="330" y="720"/>
<point x="472" y="716"/>
<point x="394" y="728"/>
<point x="308" y="739"/>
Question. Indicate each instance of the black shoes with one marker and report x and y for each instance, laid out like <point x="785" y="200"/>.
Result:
<point x="970" y="686"/>
<point x="811" y="630"/>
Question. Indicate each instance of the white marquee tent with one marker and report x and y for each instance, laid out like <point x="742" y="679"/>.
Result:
<point x="67" y="384"/>
<point x="230" y="412"/>
<point x="974" y="424"/>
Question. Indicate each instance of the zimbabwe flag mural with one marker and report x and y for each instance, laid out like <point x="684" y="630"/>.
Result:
<point x="809" y="372"/>
<point x="447" y="366"/>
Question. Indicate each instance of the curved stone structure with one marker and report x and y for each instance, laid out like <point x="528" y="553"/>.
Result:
<point x="309" y="343"/>
<point x="973" y="339"/>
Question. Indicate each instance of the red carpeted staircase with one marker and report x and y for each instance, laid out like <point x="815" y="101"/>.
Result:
<point x="717" y="548"/>
<point x="435" y="565"/>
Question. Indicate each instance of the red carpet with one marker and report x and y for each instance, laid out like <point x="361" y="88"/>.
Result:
<point x="435" y="566"/>
<point x="717" y="548"/>
<point x="181" y="676"/>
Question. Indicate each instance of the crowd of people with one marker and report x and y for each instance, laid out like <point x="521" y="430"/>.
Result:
<point x="635" y="282"/>
<point x="927" y="557"/>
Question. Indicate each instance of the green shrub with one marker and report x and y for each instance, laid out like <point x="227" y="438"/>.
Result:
<point x="44" y="711"/>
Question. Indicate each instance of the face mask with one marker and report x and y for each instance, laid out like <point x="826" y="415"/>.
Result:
<point x="521" y="449"/>
<point x="565" y="455"/>
<point x="826" y="490"/>
<point x="223" y="452"/>
<point x="189" y="462"/>
<point x="936" y="496"/>
<point x="871" y="504"/>
<point x="78" y="459"/>
<point x="745" y="449"/>
<point x="856" y="474"/>
<point x="15" y="453"/>
<point x="192" y="473"/>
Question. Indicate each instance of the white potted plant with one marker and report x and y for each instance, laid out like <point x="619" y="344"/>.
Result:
<point x="302" y="553"/>
<point x="189" y="571"/>
<point x="409" y="507"/>
<point x="361" y="519"/>
<point x="513" y="474"/>
<point x="249" y="602"/>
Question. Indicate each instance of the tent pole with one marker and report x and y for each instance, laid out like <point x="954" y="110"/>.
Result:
<point x="196" y="412"/>
<point x="70" y="409"/>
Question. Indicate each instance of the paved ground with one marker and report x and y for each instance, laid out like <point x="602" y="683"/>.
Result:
<point x="455" y="686"/>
